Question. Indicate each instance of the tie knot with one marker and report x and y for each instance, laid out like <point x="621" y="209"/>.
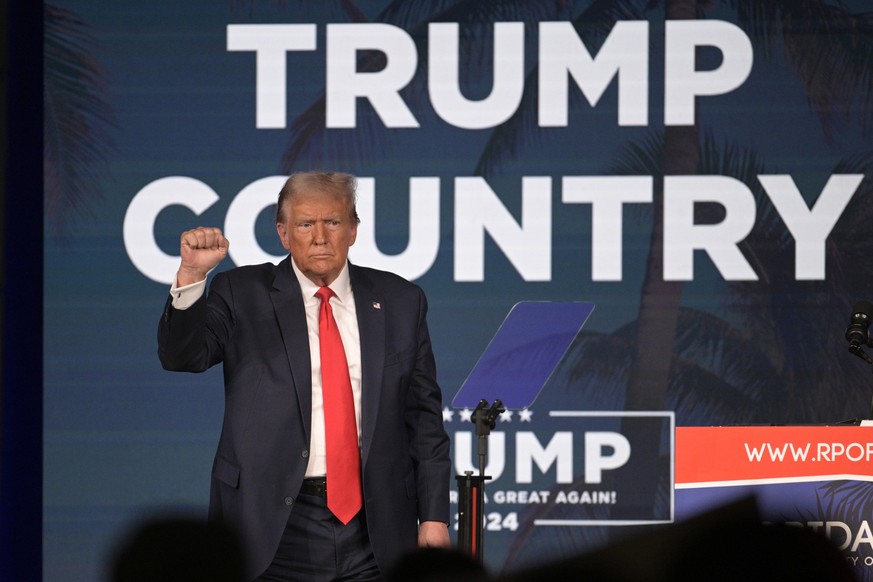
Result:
<point x="324" y="293"/>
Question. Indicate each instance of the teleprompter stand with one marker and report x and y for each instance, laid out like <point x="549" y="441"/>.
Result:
<point x="516" y="365"/>
<point x="471" y="488"/>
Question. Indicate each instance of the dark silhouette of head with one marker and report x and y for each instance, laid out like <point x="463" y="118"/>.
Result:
<point x="437" y="565"/>
<point x="179" y="549"/>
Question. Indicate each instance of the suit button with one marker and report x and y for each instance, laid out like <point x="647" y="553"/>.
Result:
<point x="289" y="500"/>
<point x="305" y="454"/>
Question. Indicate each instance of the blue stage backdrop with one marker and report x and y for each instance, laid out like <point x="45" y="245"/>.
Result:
<point x="700" y="172"/>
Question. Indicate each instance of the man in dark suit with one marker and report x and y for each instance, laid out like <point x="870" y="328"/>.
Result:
<point x="270" y="474"/>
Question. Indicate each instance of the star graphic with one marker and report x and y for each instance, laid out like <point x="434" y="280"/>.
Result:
<point x="506" y="416"/>
<point x="448" y="414"/>
<point x="524" y="415"/>
<point x="466" y="415"/>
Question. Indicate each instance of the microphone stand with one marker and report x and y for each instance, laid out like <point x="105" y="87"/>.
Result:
<point x="471" y="488"/>
<point x="855" y="348"/>
<point x="858" y="334"/>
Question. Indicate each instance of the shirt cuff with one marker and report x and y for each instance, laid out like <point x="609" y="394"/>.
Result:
<point x="185" y="296"/>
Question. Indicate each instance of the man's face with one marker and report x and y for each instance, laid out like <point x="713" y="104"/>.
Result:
<point x="318" y="232"/>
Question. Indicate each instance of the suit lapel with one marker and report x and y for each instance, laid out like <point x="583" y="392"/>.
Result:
<point x="369" y="306"/>
<point x="291" y="316"/>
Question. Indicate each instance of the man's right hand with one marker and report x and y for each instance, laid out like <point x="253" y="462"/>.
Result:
<point x="201" y="249"/>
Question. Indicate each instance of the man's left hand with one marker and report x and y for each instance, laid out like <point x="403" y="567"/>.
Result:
<point x="433" y="534"/>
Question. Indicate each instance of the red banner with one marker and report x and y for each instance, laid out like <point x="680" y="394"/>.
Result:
<point x="771" y="454"/>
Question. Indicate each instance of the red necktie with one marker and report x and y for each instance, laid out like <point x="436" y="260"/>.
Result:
<point x="344" y="496"/>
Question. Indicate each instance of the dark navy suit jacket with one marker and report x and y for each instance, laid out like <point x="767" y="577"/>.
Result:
<point x="253" y="322"/>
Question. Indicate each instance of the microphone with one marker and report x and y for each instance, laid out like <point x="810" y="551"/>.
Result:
<point x="857" y="332"/>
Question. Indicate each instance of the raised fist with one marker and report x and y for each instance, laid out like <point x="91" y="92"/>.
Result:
<point x="201" y="249"/>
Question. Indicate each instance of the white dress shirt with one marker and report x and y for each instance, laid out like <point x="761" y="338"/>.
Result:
<point x="343" y="305"/>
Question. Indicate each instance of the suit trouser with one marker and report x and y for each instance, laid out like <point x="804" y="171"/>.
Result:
<point x="317" y="547"/>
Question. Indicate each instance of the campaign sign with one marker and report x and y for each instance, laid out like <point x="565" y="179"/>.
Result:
<point x="563" y="476"/>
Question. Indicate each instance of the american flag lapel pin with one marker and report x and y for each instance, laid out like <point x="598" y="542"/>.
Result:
<point x="377" y="305"/>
